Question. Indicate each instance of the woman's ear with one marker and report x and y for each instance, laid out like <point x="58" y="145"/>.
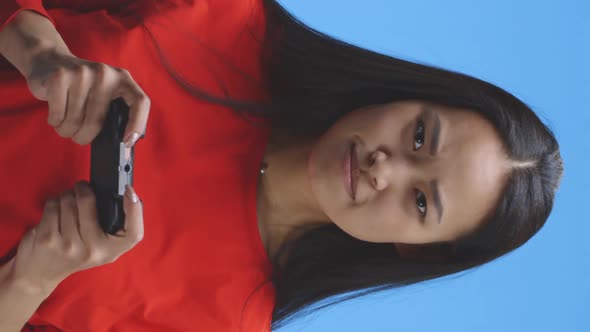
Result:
<point x="429" y="252"/>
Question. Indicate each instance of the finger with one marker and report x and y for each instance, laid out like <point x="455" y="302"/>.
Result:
<point x="69" y="219"/>
<point x="139" y="108"/>
<point x="133" y="209"/>
<point x="49" y="225"/>
<point x="77" y="96"/>
<point x="90" y="230"/>
<point x="97" y="105"/>
<point x="57" y="97"/>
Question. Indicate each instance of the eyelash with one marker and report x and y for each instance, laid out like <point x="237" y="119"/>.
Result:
<point x="419" y="124"/>
<point x="421" y="203"/>
<point x="419" y="138"/>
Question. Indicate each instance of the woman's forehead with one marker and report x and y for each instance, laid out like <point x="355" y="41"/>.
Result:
<point x="472" y="170"/>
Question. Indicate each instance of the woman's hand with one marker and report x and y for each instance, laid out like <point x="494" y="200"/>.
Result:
<point x="69" y="239"/>
<point x="79" y="94"/>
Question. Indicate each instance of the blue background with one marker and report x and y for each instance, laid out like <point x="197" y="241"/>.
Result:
<point x="539" y="51"/>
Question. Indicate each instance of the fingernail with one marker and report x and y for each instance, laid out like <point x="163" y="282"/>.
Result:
<point x="131" y="139"/>
<point x="131" y="193"/>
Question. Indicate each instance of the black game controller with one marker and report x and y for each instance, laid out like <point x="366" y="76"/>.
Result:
<point x="111" y="167"/>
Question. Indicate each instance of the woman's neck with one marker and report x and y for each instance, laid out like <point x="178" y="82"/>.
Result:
<point x="280" y="195"/>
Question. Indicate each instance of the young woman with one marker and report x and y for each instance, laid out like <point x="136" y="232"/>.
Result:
<point x="279" y="167"/>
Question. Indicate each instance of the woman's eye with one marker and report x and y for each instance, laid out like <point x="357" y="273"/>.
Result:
<point x="419" y="135"/>
<point x="421" y="202"/>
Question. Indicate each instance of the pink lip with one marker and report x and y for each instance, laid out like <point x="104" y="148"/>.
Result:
<point x="347" y="165"/>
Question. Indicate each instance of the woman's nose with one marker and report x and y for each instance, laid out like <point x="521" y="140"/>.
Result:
<point x="391" y="169"/>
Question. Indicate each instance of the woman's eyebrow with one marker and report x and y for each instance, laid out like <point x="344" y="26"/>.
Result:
<point x="436" y="197"/>
<point x="435" y="132"/>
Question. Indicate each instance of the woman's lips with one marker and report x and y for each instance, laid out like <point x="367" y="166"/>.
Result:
<point x="350" y="166"/>
<point x="347" y="172"/>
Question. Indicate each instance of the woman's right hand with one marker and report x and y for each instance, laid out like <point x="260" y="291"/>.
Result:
<point x="79" y="93"/>
<point x="69" y="239"/>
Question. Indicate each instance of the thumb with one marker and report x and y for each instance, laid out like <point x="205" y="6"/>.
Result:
<point x="133" y="208"/>
<point x="38" y="89"/>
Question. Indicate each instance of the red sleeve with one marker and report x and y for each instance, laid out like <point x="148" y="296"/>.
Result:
<point x="45" y="328"/>
<point x="9" y="9"/>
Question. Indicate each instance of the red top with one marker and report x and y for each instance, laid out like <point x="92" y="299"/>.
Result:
<point x="201" y="261"/>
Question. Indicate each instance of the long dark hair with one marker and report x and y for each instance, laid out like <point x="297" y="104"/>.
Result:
<point x="313" y="80"/>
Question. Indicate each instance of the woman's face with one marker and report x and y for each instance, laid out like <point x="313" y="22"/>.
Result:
<point x="428" y="173"/>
